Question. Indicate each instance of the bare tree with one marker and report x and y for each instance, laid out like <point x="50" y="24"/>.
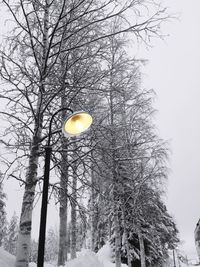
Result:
<point x="30" y="64"/>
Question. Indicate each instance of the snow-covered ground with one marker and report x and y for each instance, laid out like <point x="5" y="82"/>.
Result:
<point x="86" y="258"/>
<point x="6" y="259"/>
<point x="104" y="256"/>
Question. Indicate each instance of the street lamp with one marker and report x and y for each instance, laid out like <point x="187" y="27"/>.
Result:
<point x="74" y="125"/>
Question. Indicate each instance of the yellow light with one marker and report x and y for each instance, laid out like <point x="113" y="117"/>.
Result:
<point x="77" y="123"/>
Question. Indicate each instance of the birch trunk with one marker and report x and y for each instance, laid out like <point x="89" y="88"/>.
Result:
<point x="142" y="249"/>
<point x="62" y="252"/>
<point x="25" y="224"/>
<point x="24" y="235"/>
<point x="73" y="212"/>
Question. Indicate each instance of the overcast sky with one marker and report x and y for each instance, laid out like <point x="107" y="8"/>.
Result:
<point x="173" y="72"/>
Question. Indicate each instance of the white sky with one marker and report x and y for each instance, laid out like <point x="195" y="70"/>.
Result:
<point x="173" y="72"/>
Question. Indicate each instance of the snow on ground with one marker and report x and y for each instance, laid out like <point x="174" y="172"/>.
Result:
<point x="86" y="258"/>
<point x="6" y="259"/>
<point x="32" y="264"/>
<point x="104" y="256"/>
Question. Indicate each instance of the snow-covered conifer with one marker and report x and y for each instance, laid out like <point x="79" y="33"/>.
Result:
<point x="51" y="251"/>
<point x="34" y="251"/>
<point x="10" y="241"/>
<point x="2" y="214"/>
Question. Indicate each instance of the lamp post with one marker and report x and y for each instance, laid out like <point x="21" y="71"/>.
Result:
<point x="74" y="125"/>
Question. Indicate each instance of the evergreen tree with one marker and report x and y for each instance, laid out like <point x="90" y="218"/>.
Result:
<point x="2" y="213"/>
<point x="10" y="242"/>
<point x="33" y="251"/>
<point x="130" y="167"/>
<point x="51" y="248"/>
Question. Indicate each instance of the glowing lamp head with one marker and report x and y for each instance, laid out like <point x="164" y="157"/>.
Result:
<point x="77" y="123"/>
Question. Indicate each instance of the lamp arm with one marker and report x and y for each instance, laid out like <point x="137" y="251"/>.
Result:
<point x="50" y="124"/>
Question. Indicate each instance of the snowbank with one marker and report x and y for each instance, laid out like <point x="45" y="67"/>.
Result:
<point x="32" y="264"/>
<point x="104" y="256"/>
<point x="86" y="258"/>
<point x="6" y="259"/>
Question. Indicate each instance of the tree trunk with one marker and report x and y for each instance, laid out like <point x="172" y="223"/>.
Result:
<point x="93" y="211"/>
<point x="117" y="239"/>
<point x="114" y="173"/>
<point x="126" y="243"/>
<point x="73" y="211"/>
<point x="62" y="252"/>
<point x="24" y="235"/>
<point x="142" y="250"/>
<point x="110" y="226"/>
